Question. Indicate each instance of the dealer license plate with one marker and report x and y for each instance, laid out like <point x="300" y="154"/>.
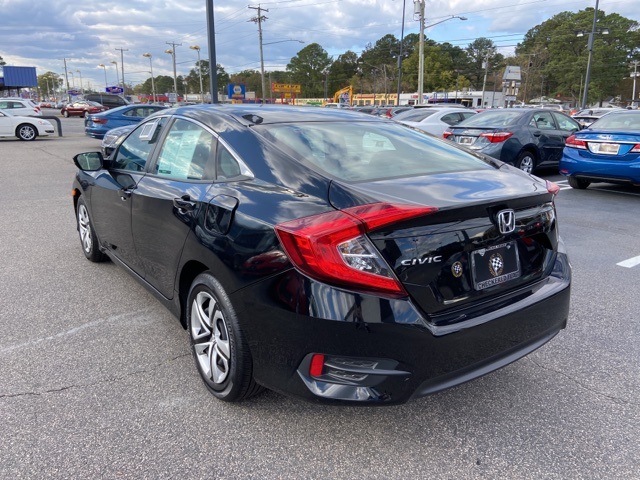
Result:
<point x="605" y="148"/>
<point x="466" y="140"/>
<point x="495" y="265"/>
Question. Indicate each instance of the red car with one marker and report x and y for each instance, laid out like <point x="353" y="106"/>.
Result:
<point x="81" y="108"/>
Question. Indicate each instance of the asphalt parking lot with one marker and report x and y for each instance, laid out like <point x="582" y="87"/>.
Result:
<point x="97" y="379"/>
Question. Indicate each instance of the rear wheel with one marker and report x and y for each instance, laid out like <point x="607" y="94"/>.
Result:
<point x="526" y="162"/>
<point x="578" y="183"/>
<point x="26" y="132"/>
<point x="84" y="114"/>
<point x="66" y="114"/>
<point x="218" y="345"/>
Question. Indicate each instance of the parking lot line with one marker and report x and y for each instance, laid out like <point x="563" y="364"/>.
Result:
<point x="629" y="263"/>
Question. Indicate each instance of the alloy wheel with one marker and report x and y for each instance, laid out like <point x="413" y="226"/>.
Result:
<point x="84" y="226"/>
<point x="210" y="338"/>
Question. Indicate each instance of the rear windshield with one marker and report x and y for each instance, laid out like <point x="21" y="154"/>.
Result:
<point x="618" y="121"/>
<point x="415" y="115"/>
<point x="498" y="118"/>
<point x="369" y="150"/>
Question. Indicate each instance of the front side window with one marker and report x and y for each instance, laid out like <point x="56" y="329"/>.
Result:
<point x="186" y="152"/>
<point x="566" y="123"/>
<point x="134" y="152"/>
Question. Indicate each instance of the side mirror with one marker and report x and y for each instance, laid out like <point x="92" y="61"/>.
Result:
<point x="90" y="161"/>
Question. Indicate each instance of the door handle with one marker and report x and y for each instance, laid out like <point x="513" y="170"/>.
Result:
<point x="537" y="133"/>
<point x="184" y="203"/>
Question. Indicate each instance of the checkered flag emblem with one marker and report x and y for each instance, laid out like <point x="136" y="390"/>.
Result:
<point x="496" y="264"/>
<point x="456" y="269"/>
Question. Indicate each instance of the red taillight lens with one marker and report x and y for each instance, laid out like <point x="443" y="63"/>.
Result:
<point x="101" y="121"/>
<point x="447" y="134"/>
<point x="496" y="137"/>
<point x="573" y="142"/>
<point x="635" y="149"/>
<point x="333" y="248"/>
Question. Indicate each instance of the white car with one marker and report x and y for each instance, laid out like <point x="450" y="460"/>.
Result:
<point x="25" y="128"/>
<point x="20" y="106"/>
<point x="434" y="120"/>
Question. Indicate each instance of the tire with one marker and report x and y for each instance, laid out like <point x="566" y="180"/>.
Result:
<point x="578" y="183"/>
<point x="526" y="162"/>
<point x="88" y="239"/>
<point x="26" y="132"/>
<point x="84" y="114"/>
<point x="218" y="345"/>
<point x="65" y="114"/>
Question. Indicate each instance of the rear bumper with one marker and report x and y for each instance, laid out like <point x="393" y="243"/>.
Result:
<point x="297" y="317"/>
<point x="575" y="164"/>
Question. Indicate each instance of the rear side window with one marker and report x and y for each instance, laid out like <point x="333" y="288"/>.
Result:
<point x="186" y="152"/>
<point x="368" y="150"/>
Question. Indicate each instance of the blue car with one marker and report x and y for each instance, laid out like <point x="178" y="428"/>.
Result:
<point x="98" y="124"/>
<point x="607" y="151"/>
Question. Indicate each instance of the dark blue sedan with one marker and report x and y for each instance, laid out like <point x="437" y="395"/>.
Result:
<point x="98" y="124"/>
<point x="607" y="151"/>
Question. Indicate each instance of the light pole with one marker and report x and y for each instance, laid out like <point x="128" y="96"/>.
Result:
<point x="404" y="7"/>
<point x="172" y="52"/>
<point x="104" y="67"/>
<point x="117" y="73"/>
<point x="419" y="5"/>
<point x="593" y="31"/>
<point x="153" y="85"/>
<point x="81" y="87"/>
<point x="73" y="79"/>
<point x="197" y="49"/>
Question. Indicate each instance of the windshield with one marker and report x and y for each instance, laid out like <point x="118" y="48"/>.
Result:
<point x="498" y="118"/>
<point x="618" y="121"/>
<point x="369" y="150"/>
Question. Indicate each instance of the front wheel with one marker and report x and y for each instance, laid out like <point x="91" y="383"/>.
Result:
<point x="88" y="239"/>
<point x="578" y="183"/>
<point x="218" y="345"/>
<point x="526" y="162"/>
<point x="66" y="114"/>
<point x="26" y="132"/>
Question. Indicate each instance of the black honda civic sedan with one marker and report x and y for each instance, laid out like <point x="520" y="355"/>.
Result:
<point x="325" y="254"/>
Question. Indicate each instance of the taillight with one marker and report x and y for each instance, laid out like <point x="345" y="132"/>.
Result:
<point x="496" y="137"/>
<point x="635" y="149"/>
<point x="333" y="247"/>
<point x="573" y="142"/>
<point x="101" y="121"/>
<point x="447" y="134"/>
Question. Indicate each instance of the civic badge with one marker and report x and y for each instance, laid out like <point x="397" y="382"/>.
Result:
<point x="506" y="220"/>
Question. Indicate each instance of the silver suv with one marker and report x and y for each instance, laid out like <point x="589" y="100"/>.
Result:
<point x="20" y="106"/>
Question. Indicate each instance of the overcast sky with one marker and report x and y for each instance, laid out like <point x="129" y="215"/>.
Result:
<point x="88" y="33"/>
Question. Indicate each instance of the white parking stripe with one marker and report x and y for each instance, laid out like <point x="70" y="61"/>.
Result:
<point x="631" y="262"/>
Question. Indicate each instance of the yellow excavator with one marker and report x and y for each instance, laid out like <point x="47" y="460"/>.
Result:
<point x="343" y="96"/>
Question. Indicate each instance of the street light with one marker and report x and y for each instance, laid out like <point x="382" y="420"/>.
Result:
<point x="419" y="4"/>
<point x="175" y="77"/>
<point x="105" y="76"/>
<point x="81" y="87"/>
<point x="153" y="85"/>
<point x="117" y="73"/>
<point x="197" y="49"/>
<point x="604" y="31"/>
<point x="634" y="75"/>
<point x="73" y="80"/>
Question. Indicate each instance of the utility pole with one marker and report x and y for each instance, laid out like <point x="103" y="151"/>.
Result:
<point x="122" y="50"/>
<point x="404" y="6"/>
<point x="635" y="75"/>
<point x="484" y="82"/>
<point x="420" y="4"/>
<point x="259" y="19"/>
